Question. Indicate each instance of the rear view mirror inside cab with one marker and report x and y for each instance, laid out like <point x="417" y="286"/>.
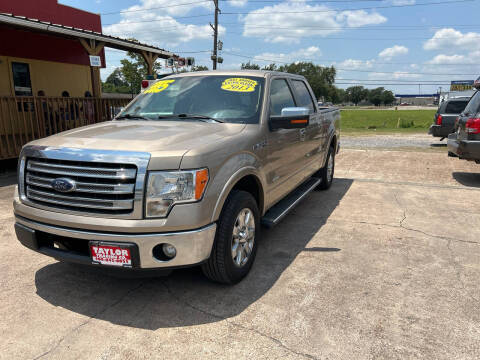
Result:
<point x="291" y="118"/>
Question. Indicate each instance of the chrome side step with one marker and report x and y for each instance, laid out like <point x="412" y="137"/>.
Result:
<point x="283" y="207"/>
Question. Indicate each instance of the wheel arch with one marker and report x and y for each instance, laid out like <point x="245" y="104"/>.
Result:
<point x="245" y="179"/>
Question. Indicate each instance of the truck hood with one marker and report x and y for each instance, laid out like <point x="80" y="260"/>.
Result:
<point x="168" y="139"/>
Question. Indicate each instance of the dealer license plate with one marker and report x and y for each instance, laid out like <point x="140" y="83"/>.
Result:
<point x="111" y="255"/>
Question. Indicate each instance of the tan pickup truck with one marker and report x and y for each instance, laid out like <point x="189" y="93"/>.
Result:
<point x="185" y="175"/>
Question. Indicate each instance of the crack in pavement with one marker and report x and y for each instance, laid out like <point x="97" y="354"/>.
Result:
<point x="233" y="324"/>
<point x="108" y="307"/>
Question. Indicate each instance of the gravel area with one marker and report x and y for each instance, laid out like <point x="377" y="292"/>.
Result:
<point x="415" y="141"/>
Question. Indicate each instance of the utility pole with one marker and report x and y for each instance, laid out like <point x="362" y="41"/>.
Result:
<point x="215" y="36"/>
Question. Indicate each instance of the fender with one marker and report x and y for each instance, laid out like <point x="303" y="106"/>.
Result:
<point x="232" y="181"/>
<point x="331" y="134"/>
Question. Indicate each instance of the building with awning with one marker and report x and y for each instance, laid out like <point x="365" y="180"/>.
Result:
<point x="50" y="60"/>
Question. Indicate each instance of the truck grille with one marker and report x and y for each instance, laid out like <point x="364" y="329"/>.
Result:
<point x="99" y="187"/>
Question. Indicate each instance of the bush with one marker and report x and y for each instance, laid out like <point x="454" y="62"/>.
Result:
<point x="403" y="123"/>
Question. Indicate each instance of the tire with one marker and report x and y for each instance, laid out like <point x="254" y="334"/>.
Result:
<point x="222" y="266"/>
<point x="327" y="177"/>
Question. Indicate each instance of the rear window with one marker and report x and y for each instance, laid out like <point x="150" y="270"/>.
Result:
<point x="473" y="106"/>
<point x="455" y="107"/>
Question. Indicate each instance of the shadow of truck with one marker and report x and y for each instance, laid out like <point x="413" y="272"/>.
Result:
<point x="185" y="297"/>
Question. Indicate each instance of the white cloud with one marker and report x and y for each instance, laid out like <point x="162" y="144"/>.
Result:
<point x="352" y="64"/>
<point x="237" y="3"/>
<point x="449" y="38"/>
<point x="393" y="51"/>
<point x="307" y="54"/>
<point x="158" y="26"/>
<point x="290" y="21"/>
<point x="403" y="2"/>
<point x="451" y="59"/>
<point x="397" y="75"/>
<point x="359" y="18"/>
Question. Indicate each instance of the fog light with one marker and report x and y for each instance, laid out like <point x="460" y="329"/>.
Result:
<point x="169" y="250"/>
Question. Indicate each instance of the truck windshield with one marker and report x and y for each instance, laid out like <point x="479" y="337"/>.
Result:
<point x="233" y="99"/>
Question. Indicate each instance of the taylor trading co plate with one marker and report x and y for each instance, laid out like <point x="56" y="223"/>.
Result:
<point x="113" y="254"/>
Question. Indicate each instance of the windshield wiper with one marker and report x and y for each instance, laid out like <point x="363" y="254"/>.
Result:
<point x="130" y="117"/>
<point x="190" y="116"/>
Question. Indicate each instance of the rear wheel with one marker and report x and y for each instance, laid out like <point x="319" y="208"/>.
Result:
<point x="327" y="172"/>
<point x="235" y="244"/>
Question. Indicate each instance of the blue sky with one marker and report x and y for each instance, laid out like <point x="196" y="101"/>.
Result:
<point x="386" y="43"/>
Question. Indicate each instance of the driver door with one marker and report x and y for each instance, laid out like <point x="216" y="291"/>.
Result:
<point x="283" y="155"/>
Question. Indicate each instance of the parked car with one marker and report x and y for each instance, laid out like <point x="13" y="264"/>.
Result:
<point x="183" y="176"/>
<point x="447" y="113"/>
<point x="465" y="141"/>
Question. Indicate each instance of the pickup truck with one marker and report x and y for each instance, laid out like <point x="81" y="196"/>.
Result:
<point x="446" y="115"/>
<point x="185" y="175"/>
<point x="465" y="141"/>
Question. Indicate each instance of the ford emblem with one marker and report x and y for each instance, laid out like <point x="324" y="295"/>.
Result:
<point x="63" y="185"/>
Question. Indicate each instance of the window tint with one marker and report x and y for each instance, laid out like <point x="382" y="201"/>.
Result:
<point x="455" y="107"/>
<point x="473" y="106"/>
<point x="280" y="96"/>
<point x="303" y="95"/>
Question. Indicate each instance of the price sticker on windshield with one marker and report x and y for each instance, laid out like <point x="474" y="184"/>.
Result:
<point x="159" y="86"/>
<point x="239" y="85"/>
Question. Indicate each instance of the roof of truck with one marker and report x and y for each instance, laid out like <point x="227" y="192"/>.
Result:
<point x="258" y="73"/>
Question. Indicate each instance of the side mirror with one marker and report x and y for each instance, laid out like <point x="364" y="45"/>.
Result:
<point x="476" y="84"/>
<point x="291" y="118"/>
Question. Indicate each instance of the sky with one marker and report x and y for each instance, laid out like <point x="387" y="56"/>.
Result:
<point x="407" y="46"/>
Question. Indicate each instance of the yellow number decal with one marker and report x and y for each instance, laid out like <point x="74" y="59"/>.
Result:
<point x="239" y="85"/>
<point x="158" y="86"/>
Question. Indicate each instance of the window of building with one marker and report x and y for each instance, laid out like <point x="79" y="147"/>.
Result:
<point x="21" y="79"/>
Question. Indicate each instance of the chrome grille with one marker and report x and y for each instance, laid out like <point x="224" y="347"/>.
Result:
<point x="100" y="187"/>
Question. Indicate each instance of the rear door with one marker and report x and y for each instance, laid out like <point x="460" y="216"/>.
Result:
<point x="313" y="136"/>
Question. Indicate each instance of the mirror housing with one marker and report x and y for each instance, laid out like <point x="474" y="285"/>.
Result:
<point x="291" y="118"/>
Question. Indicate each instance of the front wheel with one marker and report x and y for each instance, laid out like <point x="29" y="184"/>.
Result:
<point x="235" y="244"/>
<point x="326" y="173"/>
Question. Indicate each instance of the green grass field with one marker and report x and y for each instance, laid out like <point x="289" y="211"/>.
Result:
<point x="389" y="121"/>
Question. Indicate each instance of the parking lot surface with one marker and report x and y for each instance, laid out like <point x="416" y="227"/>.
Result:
<point x="384" y="265"/>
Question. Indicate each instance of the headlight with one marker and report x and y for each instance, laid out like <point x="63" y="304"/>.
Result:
<point x="167" y="188"/>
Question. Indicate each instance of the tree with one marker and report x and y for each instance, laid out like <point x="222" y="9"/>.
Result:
<point x="388" y="97"/>
<point x="336" y="95"/>
<point x="271" y="67"/>
<point x="116" y="78"/>
<point x="375" y="96"/>
<point x="250" y="66"/>
<point x="356" y="94"/>
<point x="199" y="68"/>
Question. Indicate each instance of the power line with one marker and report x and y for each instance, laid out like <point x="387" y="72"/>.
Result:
<point x="353" y="70"/>
<point x="178" y="17"/>
<point x="336" y="10"/>
<point x="154" y="8"/>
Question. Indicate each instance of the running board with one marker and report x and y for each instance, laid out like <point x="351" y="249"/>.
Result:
<point x="283" y="207"/>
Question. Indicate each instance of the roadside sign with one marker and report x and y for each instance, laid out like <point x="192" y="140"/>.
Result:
<point x="461" y="85"/>
<point x="95" y="61"/>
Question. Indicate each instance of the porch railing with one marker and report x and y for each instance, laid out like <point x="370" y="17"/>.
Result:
<point x="26" y="118"/>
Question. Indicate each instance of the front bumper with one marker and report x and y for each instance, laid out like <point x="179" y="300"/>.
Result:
<point x="193" y="246"/>
<point x="440" y="131"/>
<point x="464" y="149"/>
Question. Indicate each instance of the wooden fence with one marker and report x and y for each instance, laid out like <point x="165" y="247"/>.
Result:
<point x="26" y="118"/>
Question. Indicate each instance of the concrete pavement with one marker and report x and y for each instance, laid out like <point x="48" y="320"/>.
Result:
<point x="384" y="265"/>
